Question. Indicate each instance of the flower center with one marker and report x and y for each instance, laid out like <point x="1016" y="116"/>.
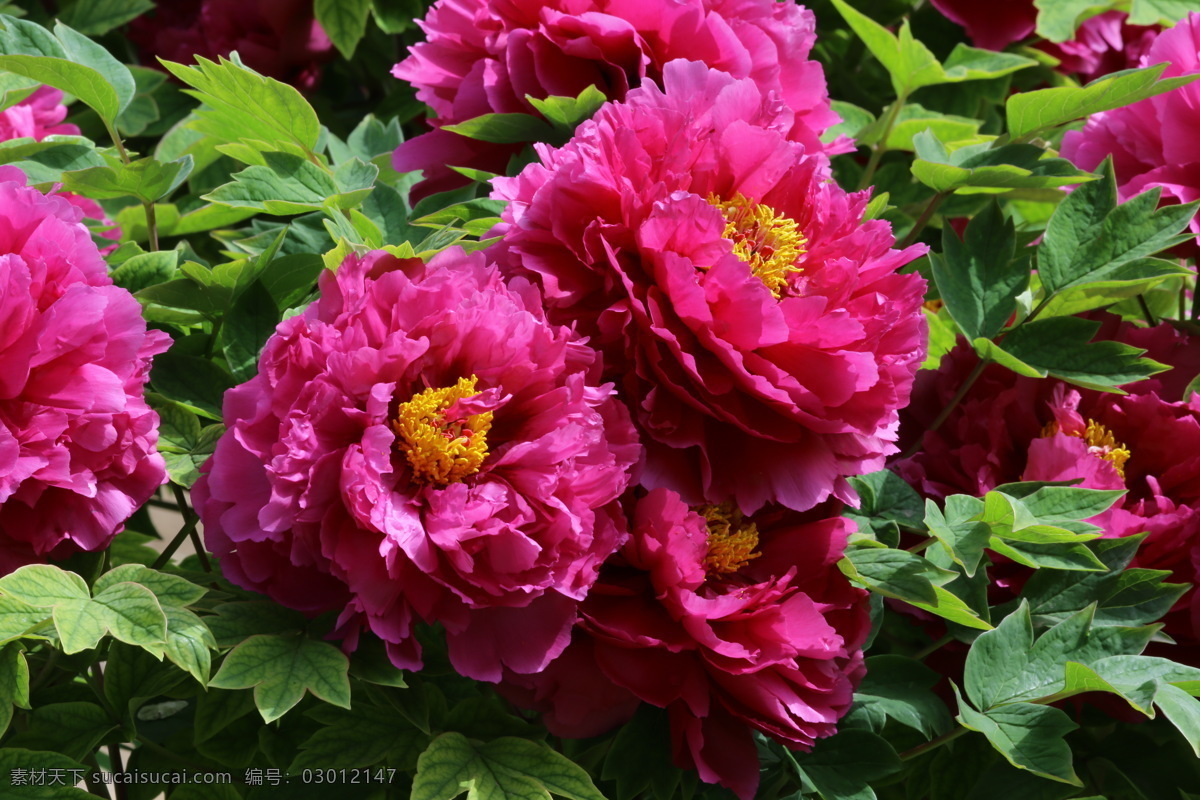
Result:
<point x="768" y="242"/>
<point x="443" y="444"/>
<point x="730" y="542"/>
<point x="1100" y="443"/>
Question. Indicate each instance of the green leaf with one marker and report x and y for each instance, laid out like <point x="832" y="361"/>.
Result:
<point x="146" y="179"/>
<point x="288" y="184"/>
<point x="914" y="119"/>
<point x="16" y="761"/>
<point x="171" y="590"/>
<point x="565" y="113"/>
<point x="217" y="709"/>
<point x="281" y="667"/>
<point x="640" y="756"/>
<point x="82" y="50"/>
<point x="1030" y="112"/>
<point x="18" y="618"/>
<point x="901" y="689"/>
<point x="1029" y="736"/>
<point x="14" y="682"/>
<point x="244" y="106"/>
<point x="897" y="573"/>
<point x="345" y="21"/>
<point x="131" y="613"/>
<point x="952" y="607"/>
<point x="1183" y="711"/>
<point x="845" y="764"/>
<point x="854" y="121"/>
<point x="1154" y="12"/>
<point x="1061" y="347"/>
<point x="979" y="278"/>
<point x="504" y="128"/>
<point x="886" y="501"/>
<point x="248" y="325"/>
<point x="189" y="643"/>
<point x="43" y="586"/>
<point x="30" y="50"/>
<point x="1059" y="503"/>
<point x="237" y="621"/>
<point x="194" y="382"/>
<point x="46" y="161"/>
<point x="1091" y="239"/>
<point x="96" y="17"/>
<point x="504" y="769"/>
<point x="146" y="269"/>
<point x="73" y="729"/>
<point x="132" y="677"/>
<point x="372" y="138"/>
<point x="362" y="738"/>
<point x="984" y="169"/>
<point x="1057" y="20"/>
<point x="959" y="529"/>
<point x="998" y="658"/>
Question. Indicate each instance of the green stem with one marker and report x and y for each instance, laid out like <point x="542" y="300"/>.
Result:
<point x="923" y="220"/>
<point x="189" y="525"/>
<point x="1146" y="312"/>
<point x="881" y="147"/>
<point x="932" y="744"/>
<point x="945" y="412"/>
<point x="151" y="225"/>
<point x="922" y="545"/>
<point x="117" y="767"/>
<point x="181" y="501"/>
<point x="933" y="647"/>
<point x="44" y="672"/>
<point x="112" y="133"/>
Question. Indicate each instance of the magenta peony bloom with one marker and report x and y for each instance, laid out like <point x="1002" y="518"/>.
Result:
<point x="41" y="115"/>
<point x="36" y="117"/>
<point x="732" y="624"/>
<point x="757" y="323"/>
<point x="1151" y="141"/>
<point x="1011" y="428"/>
<point x="279" y="38"/>
<point x="993" y="26"/>
<point x="421" y="443"/>
<point x="77" y="439"/>
<point x="487" y="57"/>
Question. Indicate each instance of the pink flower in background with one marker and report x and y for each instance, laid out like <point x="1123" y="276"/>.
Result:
<point x="487" y="57"/>
<point x="279" y="38"/>
<point x="758" y="325"/>
<point x="1012" y="428"/>
<point x="37" y="116"/>
<point x="41" y="115"/>
<point x="421" y="443"/>
<point x="77" y="440"/>
<point x="732" y="624"/>
<point x="1104" y="43"/>
<point x="1151" y="142"/>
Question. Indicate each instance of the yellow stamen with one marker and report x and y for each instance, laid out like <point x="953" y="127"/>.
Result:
<point x="1101" y="443"/>
<point x="768" y="242"/>
<point x="441" y="450"/>
<point x="730" y="542"/>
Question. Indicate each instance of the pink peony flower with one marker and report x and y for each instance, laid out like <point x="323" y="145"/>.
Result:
<point x="757" y="323"/>
<point x="421" y="443"/>
<point x="36" y="117"/>
<point x="279" y="38"/>
<point x="1151" y="141"/>
<point x="1011" y="428"/>
<point x="732" y="624"/>
<point x="1104" y="43"/>
<point x="41" y="115"/>
<point x="488" y="57"/>
<point x="77" y="439"/>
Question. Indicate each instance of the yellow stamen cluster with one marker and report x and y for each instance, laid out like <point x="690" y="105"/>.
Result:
<point x="440" y="450"/>
<point x="730" y="542"/>
<point x="1100" y="442"/>
<point x="769" y="243"/>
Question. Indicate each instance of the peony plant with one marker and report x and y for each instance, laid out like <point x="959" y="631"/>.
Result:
<point x="683" y="399"/>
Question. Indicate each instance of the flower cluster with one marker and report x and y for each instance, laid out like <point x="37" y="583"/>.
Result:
<point x="1103" y="43"/>
<point x="279" y="38"/>
<point x="77" y="439"/>
<point x="1147" y="442"/>
<point x="607" y="454"/>
<point x="1150" y="141"/>
<point x="482" y="57"/>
